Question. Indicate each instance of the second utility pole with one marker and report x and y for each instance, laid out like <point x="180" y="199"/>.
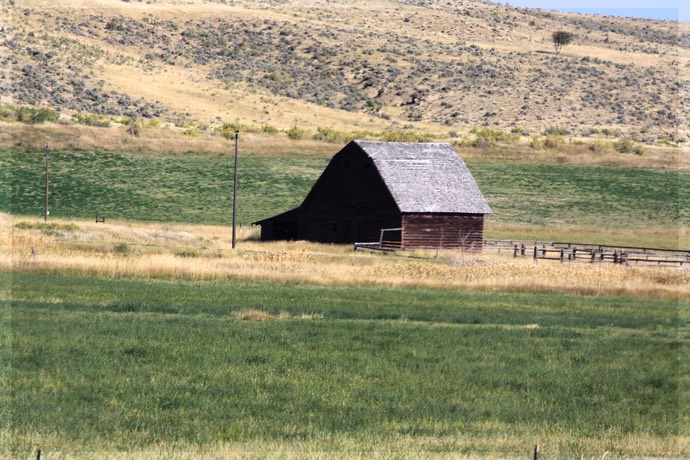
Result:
<point x="234" y="194"/>
<point x="46" y="211"/>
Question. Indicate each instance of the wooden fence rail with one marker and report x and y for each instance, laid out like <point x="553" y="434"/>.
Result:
<point x="592" y="253"/>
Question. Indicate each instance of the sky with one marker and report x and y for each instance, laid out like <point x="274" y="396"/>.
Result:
<point x="655" y="9"/>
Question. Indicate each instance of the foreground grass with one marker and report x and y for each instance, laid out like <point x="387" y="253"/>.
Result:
<point x="107" y="365"/>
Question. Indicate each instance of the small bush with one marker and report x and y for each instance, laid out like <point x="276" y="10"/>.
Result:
<point x="548" y="142"/>
<point x="518" y="130"/>
<point x="332" y="136"/>
<point x="268" y="129"/>
<point x="192" y="132"/>
<point x="554" y="131"/>
<point x="627" y="145"/>
<point x="486" y="137"/>
<point x="597" y="147"/>
<point x="121" y="248"/>
<point x="8" y="112"/>
<point x="406" y="136"/>
<point x="228" y="129"/>
<point x="134" y="129"/>
<point x="92" y="120"/>
<point x="35" y="116"/>
<point x="296" y="133"/>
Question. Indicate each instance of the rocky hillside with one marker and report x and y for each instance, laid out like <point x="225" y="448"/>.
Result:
<point x="437" y="65"/>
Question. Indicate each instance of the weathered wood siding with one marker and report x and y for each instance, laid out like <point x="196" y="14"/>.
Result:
<point x="425" y="189"/>
<point x="444" y="231"/>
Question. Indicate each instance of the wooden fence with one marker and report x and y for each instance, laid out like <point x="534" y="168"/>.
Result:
<point x="591" y="253"/>
<point x="389" y="241"/>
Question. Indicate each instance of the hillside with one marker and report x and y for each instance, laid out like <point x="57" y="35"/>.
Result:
<point x="430" y="65"/>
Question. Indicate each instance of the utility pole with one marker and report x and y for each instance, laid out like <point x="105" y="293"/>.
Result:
<point x="46" y="211"/>
<point x="234" y="193"/>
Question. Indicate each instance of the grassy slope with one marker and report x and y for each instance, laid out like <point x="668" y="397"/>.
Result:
<point x="130" y="364"/>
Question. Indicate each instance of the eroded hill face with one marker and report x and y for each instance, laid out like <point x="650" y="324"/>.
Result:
<point x="437" y="64"/>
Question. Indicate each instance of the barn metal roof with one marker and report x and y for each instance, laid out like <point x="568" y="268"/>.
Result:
<point x="426" y="177"/>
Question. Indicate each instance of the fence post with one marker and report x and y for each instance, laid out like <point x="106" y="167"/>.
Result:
<point x="536" y="452"/>
<point x="535" y="253"/>
<point x="515" y="251"/>
<point x="562" y="254"/>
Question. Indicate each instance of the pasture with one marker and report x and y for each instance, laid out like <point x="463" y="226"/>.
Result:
<point x="197" y="188"/>
<point x="122" y="364"/>
<point x="147" y="336"/>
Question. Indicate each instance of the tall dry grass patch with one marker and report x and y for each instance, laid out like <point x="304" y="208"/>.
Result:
<point x="204" y="253"/>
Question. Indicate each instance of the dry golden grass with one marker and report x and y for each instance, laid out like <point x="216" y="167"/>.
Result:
<point x="402" y="447"/>
<point x="152" y="140"/>
<point x="165" y="140"/>
<point x="261" y="315"/>
<point x="203" y="253"/>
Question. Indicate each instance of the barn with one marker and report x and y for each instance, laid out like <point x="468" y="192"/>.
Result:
<point x="421" y="194"/>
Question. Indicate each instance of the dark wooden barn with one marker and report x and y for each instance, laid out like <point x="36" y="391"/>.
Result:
<point x="422" y="191"/>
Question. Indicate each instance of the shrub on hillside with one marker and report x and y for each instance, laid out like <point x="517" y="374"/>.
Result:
<point x="34" y="116"/>
<point x="134" y="128"/>
<point x="406" y="136"/>
<point x="7" y="113"/>
<point x="597" y="147"/>
<point x="296" y="133"/>
<point x="555" y="131"/>
<point x="547" y="142"/>
<point x="268" y="129"/>
<point x="92" y="120"/>
<point x="228" y="129"/>
<point x="487" y="137"/>
<point x="332" y="136"/>
<point x="627" y="145"/>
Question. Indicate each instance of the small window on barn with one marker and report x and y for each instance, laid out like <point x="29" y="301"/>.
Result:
<point x="346" y="164"/>
<point x="334" y="227"/>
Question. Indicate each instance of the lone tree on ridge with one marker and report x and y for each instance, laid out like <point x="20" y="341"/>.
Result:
<point x="561" y="39"/>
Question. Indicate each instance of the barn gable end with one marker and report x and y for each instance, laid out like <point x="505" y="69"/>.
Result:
<point x="424" y="188"/>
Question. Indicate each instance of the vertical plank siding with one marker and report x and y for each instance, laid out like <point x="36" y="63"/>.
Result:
<point x="423" y="188"/>
<point x="443" y="231"/>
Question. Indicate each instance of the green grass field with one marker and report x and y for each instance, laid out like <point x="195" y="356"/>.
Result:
<point x="94" y="367"/>
<point x="197" y="188"/>
<point x="101" y="365"/>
